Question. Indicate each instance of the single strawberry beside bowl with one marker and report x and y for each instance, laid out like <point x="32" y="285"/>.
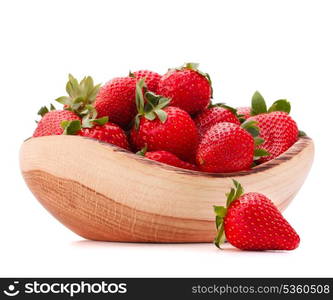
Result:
<point x="151" y="78"/>
<point x="277" y="127"/>
<point x="163" y="127"/>
<point x="252" y="222"/>
<point x="168" y="158"/>
<point x="227" y="147"/>
<point x="187" y="87"/>
<point x="213" y="115"/>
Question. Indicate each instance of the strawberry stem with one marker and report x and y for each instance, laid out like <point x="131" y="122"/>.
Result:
<point x="221" y="211"/>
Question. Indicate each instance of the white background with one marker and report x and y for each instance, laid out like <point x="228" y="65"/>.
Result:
<point x="282" y="48"/>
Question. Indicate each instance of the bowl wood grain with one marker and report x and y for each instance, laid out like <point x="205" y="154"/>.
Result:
<point x="102" y="192"/>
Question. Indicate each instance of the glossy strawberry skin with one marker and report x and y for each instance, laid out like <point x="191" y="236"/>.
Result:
<point x="152" y="79"/>
<point x="212" y="116"/>
<point x="244" y="111"/>
<point x="170" y="159"/>
<point x="187" y="90"/>
<point x="50" y="124"/>
<point x="278" y="130"/>
<point x="177" y="135"/>
<point x="253" y="222"/>
<point x="116" y="99"/>
<point x="108" y="133"/>
<point x="225" y="148"/>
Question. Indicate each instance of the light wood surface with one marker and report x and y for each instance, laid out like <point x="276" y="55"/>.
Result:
<point x="102" y="192"/>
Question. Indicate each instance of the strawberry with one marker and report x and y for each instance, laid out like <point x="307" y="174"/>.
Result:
<point x="116" y="100"/>
<point x="252" y="222"/>
<point x="151" y="78"/>
<point x="277" y="128"/>
<point x="212" y="116"/>
<point x="108" y="133"/>
<point x="99" y="129"/>
<point x="50" y="124"/>
<point x="187" y="87"/>
<point x="227" y="147"/>
<point x="244" y="112"/>
<point x="163" y="128"/>
<point x="168" y="158"/>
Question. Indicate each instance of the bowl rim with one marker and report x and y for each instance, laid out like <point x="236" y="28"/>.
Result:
<point x="291" y="152"/>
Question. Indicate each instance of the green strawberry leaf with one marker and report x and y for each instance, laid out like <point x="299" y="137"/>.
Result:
<point x="161" y="114"/>
<point x="143" y="151"/>
<point x="301" y="133"/>
<point x="259" y="152"/>
<point x="258" y="105"/>
<point x="139" y="95"/>
<point x="280" y="105"/>
<point x="150" y="116"/>
<point x="43" y="111"/>
<point x="251" y="127"/>
<point x="258" y="141"/>
<point x="71" y="127"/>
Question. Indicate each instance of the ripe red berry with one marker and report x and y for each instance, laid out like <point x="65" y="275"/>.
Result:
<point x="108" y="133"/>
<point x="170" y="159"/>
<point x="158" y="127"/>
<point x="225" y="147"/>
<point x="188" y="88"/>
<point x="50" y="124"/>
<point x="244" y="112"/>
<point x="178" y="134"/>
<point x="252" y="222"/>
<point x="116" y="100"/>
<point x="278" y="130"/>
<point x="151" y="78"/>
<point x="212" y="116"/>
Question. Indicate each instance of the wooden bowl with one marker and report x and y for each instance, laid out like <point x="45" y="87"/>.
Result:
<point x="102" y="192"/>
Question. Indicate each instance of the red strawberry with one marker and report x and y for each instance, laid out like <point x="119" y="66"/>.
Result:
<point x="108" y="133"/>
<point x="169" y="159"/>
<point x="187" y="87"/>
<point x="50" y="124"/>
<point x="252" y="222"/>
<point x="244" y="112"/>
<point x="277" y="128"/>
<point x="99" y="129"/>
<point x="225" y="147"/>
<point x="151" y="78"/>
<point x="212" y="116"/>
<point x="173" y="130"/>
<point x="116" y="100"/>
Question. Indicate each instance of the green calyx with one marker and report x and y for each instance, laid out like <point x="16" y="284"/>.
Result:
<point x="258" y="105"/>
<point x="143" y="151"/>
<point x="251" y="127"/>
<point x="90" y="119"/>
<point x="71" y="127"/>
<point x="149" y="105"/>
<point x="80" y="94"/>
<point x="44" y="110"/>
<point x="221" y="211"/>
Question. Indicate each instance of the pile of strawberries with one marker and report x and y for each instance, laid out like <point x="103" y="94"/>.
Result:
<point x="171" y="119"/>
